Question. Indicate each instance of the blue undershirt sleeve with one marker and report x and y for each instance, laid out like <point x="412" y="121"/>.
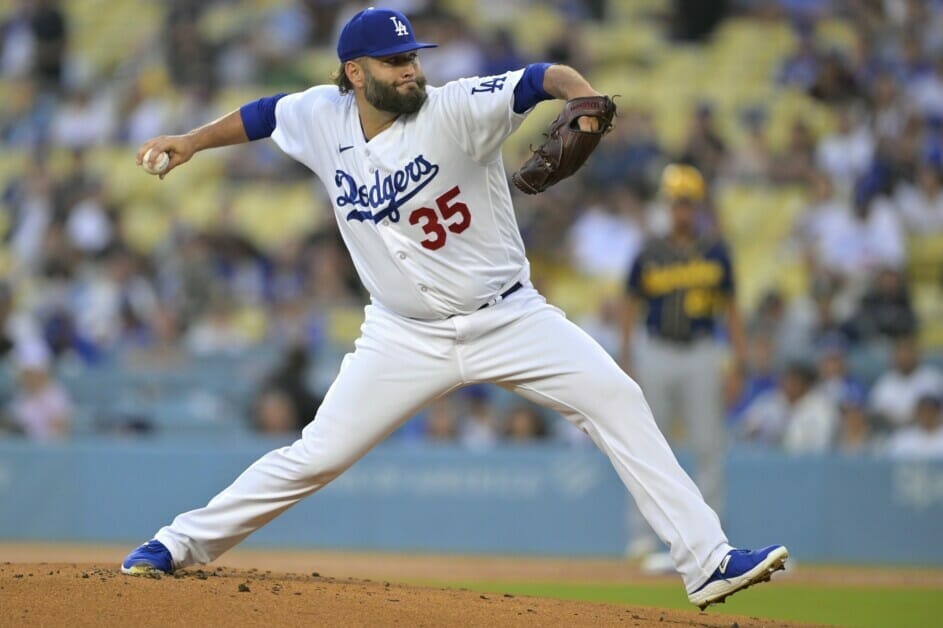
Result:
<point x="258" y="117"/>
<point x="530" y="89"/>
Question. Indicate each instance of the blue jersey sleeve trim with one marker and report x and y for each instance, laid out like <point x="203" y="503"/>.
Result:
<point x="530" y="89"/>
<point x="258" y="117"/>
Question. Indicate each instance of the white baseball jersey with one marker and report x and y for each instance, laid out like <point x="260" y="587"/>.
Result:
<point x="424" y="206"/>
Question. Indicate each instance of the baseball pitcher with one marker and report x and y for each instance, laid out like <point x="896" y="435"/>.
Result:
<point x="422" y="201"/>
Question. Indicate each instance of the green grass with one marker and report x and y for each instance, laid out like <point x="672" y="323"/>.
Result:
<point x="838" y="605"/>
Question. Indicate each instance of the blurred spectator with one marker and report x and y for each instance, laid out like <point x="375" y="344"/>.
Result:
<point x="332" y="280"/>
<point x="17" y="42"/>
<point x="50" y="31"/>
<point x="567" y="48"/>
<point x="885" y="310"/>
<point x="41" y="408"/>
<point x="888" y="112"/>
<point x="896" y="392"/>
<point x="925" y="93"/>
<point x="186" y="269"/>
<point x="796" y="416"/>
<point x="217" y="332"/>
<point x="238" y="265"/>
<point x="605" y="324"/>
<point x="189" y="55"/>
<point x="500" y="53"/>
<point x="7" y="333"/>
<point x="458" y="54"/>
<point x="812" y="318"/>
<point x="291" y="377"/>
<point x="911" y="64"/>
<point x="847" y="152"/>
<point x="83" y="120"/>
<point x="854" y="432"/>
<point x="693" y="20"/>
<point x="769" y="320"/>
<point x="478" y="427"/>
<point x="162" y="345"/>
<point x="441" y="425"/>
<point x="274" y="413"/>
<point x="835" y="82"/>
<point x="25" y="115"/>
<point x="111" y="306"/>
<point x="631" y="155"/>
<point x="147" y="112"/>
<point x="854" y="245"/>
<point x="89" y="223"/>
<point x="921" y="203"/>
<point x="795" y="163"/>
<point x="751" y="161"/>
<point x="760" y="377"/>
<point x="32" y="214"/>
<point x="608" y="234"/>
<point x="524" y="425"/>
<point x="76" y="184"/>
<point x="801" y="68"/>
<point x="924" y="438"/>
<point x="835" y="382"/>
<point x="704" y="148"/>
<point x="824" y="213"/>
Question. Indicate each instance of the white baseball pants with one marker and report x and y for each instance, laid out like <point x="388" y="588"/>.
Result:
<point x="399" y="365"/>
<point x="686" y="381"/>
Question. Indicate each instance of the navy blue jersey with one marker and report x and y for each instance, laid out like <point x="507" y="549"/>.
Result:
<point x="683" y="286"/>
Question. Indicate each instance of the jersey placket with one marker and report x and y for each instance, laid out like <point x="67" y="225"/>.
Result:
<point x="396" y="241"/>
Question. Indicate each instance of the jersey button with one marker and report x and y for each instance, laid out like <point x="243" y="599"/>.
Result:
<point x="385" y="223"/>
<point x="423" y="289"/>
<point x="401" y="255"/>
<point x="372" y="169"/>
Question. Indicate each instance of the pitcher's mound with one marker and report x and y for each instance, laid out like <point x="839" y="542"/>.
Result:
<point x="49" y="594"/>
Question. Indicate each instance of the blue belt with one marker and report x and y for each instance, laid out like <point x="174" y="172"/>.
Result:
<point x="517" y="286"/>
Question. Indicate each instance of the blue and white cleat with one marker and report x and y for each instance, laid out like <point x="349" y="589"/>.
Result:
<point x="738" y="570"/>
<point x="151" y="559"/>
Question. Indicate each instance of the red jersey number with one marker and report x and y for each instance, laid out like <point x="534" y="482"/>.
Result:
<point x="449" y="208"/>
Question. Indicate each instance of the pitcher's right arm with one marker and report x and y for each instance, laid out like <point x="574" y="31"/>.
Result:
<point x="237" y="127"/>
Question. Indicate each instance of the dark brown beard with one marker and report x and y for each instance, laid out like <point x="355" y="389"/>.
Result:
<point x="384" y="96"/>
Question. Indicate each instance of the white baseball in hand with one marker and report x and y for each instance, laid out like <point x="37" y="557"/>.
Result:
<point x="158" y="166"/>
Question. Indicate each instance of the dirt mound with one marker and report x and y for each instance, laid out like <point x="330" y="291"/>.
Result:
<point x="35" y="594"/>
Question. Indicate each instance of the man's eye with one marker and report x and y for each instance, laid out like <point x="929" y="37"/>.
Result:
<point x="402" y="59"/>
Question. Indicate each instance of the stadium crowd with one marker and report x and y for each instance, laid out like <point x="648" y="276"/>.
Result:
<point x="838" y="367"/>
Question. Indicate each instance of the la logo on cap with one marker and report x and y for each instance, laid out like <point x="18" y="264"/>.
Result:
<point x="399" y="27"/>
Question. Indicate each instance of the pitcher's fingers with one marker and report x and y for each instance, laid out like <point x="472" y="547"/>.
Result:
<point x="588" y="124"/>
<point x="156" y="145"/>
<point x="175" y="160"/>
<point x="149" y="145"/>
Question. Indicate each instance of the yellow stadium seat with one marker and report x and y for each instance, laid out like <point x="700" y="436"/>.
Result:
<point x="269" y="215"/>
<point x="925" y="257"/>
<point x="196" y="206"/>
<point x="13" y="164"/>
<point x="145" y="225"/>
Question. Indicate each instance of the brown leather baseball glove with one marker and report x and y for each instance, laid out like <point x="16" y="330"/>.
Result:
<point x="567" y="147"/>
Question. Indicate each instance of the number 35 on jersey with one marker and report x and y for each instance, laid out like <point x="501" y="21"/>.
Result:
<point x="449" y="215"/>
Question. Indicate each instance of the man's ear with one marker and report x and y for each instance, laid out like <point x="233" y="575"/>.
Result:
<point x="355" y="72"/>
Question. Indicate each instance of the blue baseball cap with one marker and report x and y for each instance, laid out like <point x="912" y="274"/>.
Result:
<point x="377" y="33"/>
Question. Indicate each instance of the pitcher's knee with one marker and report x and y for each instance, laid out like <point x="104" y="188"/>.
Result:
<point x="318" y="463"/>
<point x="616" y="388"/>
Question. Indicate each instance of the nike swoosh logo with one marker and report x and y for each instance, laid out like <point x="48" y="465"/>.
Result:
<point x="341" y="149"/>
<point x="723" y="565"/>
